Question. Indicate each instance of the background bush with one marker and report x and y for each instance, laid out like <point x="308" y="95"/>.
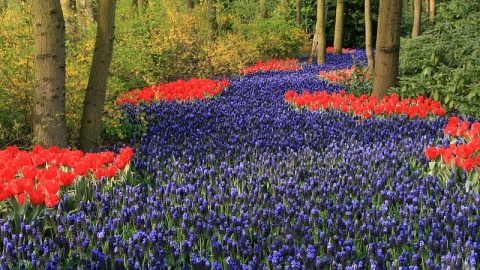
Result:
<point x="443" y="63"/>
<point x="167" y="42"/>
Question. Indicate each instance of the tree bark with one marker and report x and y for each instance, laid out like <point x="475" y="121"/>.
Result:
<point x="142" y="6"/>
<point x="320" y="30"/>
<point x="431" y="11"/>
<point x="337" y="41"/>
<point x="49" y="121"/>
<point x="91" y="124"/>
<point x="212" y="18"/>
<point x="388" y="47"/>
<point x="417" y="17"/>
<point x="298" y="4"/>
<point x="190" y="4"/>
<point x="72" y="5"/>
<point x="368" y="38"/>
<point x="262" y="9"/>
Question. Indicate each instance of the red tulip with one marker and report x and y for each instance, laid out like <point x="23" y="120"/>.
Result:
<point x="51" y="200"/>
<point x="36" y="197"/>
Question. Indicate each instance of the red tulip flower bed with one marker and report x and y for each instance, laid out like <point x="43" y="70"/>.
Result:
<point x="341" y="75"/>
<point x="287" y="64"/>
<point x="365" y="106"/>
<point x="344" y="50"/>
<point x="178" y="90"/>
<point x="465" y="155"/>
<point x="38" y="175"/>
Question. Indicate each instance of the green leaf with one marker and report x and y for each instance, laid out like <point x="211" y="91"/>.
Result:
<point x="471" y="95"/>
<point x="467" y="185"/>
<point x="435" y="95"/>
<point x="431" y="165"/>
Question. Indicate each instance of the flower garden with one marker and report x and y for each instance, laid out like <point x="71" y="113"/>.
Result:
<point x="274" y="169"/>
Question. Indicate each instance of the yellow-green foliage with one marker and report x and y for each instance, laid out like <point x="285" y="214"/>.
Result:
<point x="80" y="41"/>
<point x="165" y="42"/>
<point x="229" y="55"/>
<point x="16" y="65"/>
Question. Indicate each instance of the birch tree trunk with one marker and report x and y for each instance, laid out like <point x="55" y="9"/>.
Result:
<point x="417" y="17"/>
<point x="190" y="4"/>
<point x="320" y="31"/>
<point x="368" y="38"/>
<point x="431" y="10"/>
<point x="91" y="124"/>
<point x="298" y="5"/>
<point x="262" y="9"/>
<point x="49" y="121"/>
<point x="337" y="41"/>
<point x="388" y="47"/>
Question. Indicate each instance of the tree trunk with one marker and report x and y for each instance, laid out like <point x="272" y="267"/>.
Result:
<point x="190" y="4"/>
<point x="212" y="18"/>
<point x="337" y="41"/>
<point x="388" y="47"/>
<point x="417" y="17"/>
<point x="72" y="5"/>
<point x="142" y="6"/>
<point x="368" y="38"/>
<point x="313" y="52"/>
<point x="91" y="124"/>
<point x="262" y="9"/>
<point x="49" y="122"/>
<point x="320" y="30"/>
<point x="431" y="10"/>
<point x="88" y="7"/>
<point x="298" y="4"/>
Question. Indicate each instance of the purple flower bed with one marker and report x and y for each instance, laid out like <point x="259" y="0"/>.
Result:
<point x="244" y="181"/>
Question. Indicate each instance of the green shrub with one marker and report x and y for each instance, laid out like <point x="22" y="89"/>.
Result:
<point x="443" y="64"/>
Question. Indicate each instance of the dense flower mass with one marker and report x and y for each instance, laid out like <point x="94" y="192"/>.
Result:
<point x="288" y="64"/>
<point x="364" y="105"/>
<point x="464" y="154"/>
<point x="245" y="181"/>
<point x="178" y="90"/>
<point x="344" y="50"/>
<point x="344" y="75"/>
<point x="38" y="175"/>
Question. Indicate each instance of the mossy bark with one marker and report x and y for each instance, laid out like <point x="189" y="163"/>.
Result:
<point x="91" y="124"/>
<point x="49" y="121"/>
<point x="368" y="37"/>
<point x="388" y="47"/>
<point x="320" y="31"/>
<point x="337" y="41"/>
<point x="417" y="17"/>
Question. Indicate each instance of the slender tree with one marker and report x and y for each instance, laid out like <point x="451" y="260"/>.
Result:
<point x="298" y="5"/>
<point x="431" y="10"/>
<point x="134" y="6"/>
<point x="142" y="6"/>
<point x="388" y="47"/>
<point x="417" y="17"/>
<point x="91" y="124"/>
<point x="368" y="37"/>
<point x="262" y="9"/>
<point x="337" y="41"/>
<point x="49" y="121"/>
<point x="72" y="5"/>
<point x="320" y="32"/>
<point x="212" y="18"/>
<point x="190" y="4"/>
